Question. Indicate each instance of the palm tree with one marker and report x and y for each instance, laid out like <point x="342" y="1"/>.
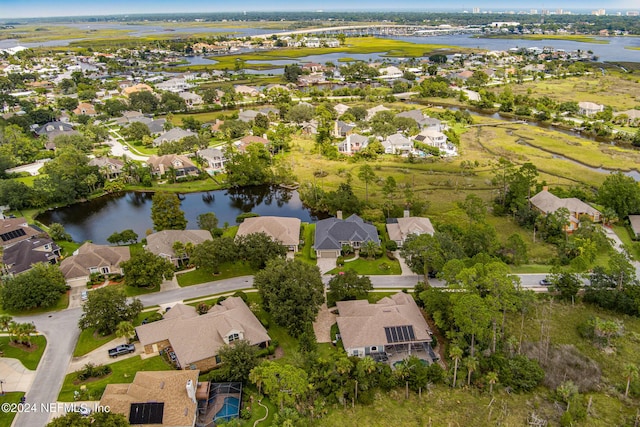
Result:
<point x="5" y="321"/>
<point x="125" y="330"/>
<point x="27" y="330"/>
<point x="471" y="363"/>
<point x="14" y="331"/>
<point x="456" y="354"/>
<point x="492" y="378"/>
<point x="630" y="372"/>
<point x="369" y="249"/>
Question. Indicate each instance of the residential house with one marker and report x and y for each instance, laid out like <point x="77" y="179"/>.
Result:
<point x="397" y="144"/>
<point x="332" y="42"/>
<point x="84" y="108"/>
<point x="342" y="129"/>
<point x="214" y="157"/>
<point x="417" y="115"/>
<point x="394" y="324"/>
<point x="172" y="135"/>
<point x="191" y="99"/>
<point x="243" y="143"/>
<point x="20" y="257"/>
<point x="437" y="139"/>
<point x="280" y="229"/>
<point x="352" y="144"/>
<point x="109" y="167"/>
<point x="332" y="233"/>
<point x="161" y="243"/>
<point x="14" y="230"/>
<point x="311" y="79"/>
<point x="341" y="109"/>
<point x="390" y="73"/>
<point x="140" y="87"/>
<point x="373" y="110"/>
<point x="247" y="90"/>
<point x="156" y="127"/>
<point x="174" y="85"/>
<point x="401" y="228"/>
<point x="632" y="116"/>
<point x="313" y="67"/>
<point x="196" y="339"/>
<point x="312" y="42"/>
<point x="54" y="129"/>
<point x="91" y="258"/>
<point x="247" y="115"/>
<point x="310" y="127"/>
<point x="182" y="166"/>
<point x="158" y="398"/>
<point x="634" y="221"/>
<point x="586" y="108"/>
<point x="547" y="203"/>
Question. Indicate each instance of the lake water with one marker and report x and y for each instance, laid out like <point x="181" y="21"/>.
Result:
<point x="99" y="218"/>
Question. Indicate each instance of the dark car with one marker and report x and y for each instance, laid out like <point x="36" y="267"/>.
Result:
<point x="122" y="349"/>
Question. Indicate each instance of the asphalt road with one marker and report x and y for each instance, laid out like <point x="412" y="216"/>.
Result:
<point x="61" y="331"/>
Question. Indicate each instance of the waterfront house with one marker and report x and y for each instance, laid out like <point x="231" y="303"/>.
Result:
<point x="281" y="229"/>
<point x="332" y="233"/>
<point x="162" y="242"/>
<point x="91" y="258"/>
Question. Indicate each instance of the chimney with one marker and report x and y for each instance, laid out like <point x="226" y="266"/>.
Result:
<point x="191" y="391"/>
<point x="339" y="214"/>
<point x="407" y="214"/>
<point x="545" y="188"/>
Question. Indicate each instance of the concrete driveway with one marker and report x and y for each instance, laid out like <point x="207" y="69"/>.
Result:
<point x="15" y="376"/>
<point x="326" y="264"/>
<point x="100" y="356"/>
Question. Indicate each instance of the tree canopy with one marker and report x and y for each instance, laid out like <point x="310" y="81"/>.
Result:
<point x="105" y="308"/>
<point x="291" y="291"/>
<point x="41" y="286"/>
<point x="146" y="269"/>
<point x="166" y="213"/>
<point x="348" y="286"/>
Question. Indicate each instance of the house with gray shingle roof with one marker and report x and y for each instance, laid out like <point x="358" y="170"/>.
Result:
<point x="353" y="143"/>
<point x="397" y="144"/>
<point x="175" y="134"/>
<point x="21" y="256"/>
<point x="332" y="233"/>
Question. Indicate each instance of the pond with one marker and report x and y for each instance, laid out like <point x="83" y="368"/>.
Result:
<point x="99" y="218"/>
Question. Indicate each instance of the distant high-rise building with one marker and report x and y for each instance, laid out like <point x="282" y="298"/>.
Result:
<point x="533" y="11"/>
<point x="599" y="12"/>
<point x="545" y="12"/>
<point x="558" y="11"/>
<point x="476" y="10"/>
<point x="633" y="13"/>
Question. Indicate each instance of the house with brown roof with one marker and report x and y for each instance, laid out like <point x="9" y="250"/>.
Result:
<point x="394" y="324"/>
<point x="109" y="167"/>
<point x="161" y="243"/>
<point x="23" y="255"/>
<point x="158" y="398"/>
<point x="140" y="87"/>
<point x="160" y="165"/>
<point x="546" y="203"/>
<point x="91" y="258"/>
<point x="14" y="230"/>
<point x="243" y="143"/>
<point x="281" y="229"/>
<point x="84" y="108"/>
<point x="196" y="339"/>
<point x="401" y="228"/>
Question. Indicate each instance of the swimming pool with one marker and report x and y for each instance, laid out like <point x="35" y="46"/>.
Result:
<point x="230" y="409"/>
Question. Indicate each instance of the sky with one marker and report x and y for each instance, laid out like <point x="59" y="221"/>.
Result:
<point x="47" y="8"/>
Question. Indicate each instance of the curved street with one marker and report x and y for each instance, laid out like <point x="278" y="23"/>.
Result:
<point x="61" y="330"/>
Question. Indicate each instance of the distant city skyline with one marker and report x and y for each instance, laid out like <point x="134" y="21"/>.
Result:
<point x="48" y="8"/>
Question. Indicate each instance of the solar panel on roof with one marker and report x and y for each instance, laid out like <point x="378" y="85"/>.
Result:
<point x="146" y="413"/>
<point x="399" y="333"/>
<point x="12" y="234"/>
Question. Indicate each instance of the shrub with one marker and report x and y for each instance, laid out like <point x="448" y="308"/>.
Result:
<point x="93" y="371"/>
<point x="202" y="308"/>
<point x="219" y="300"/>
<point x="522" y="374"/>
<point x="241" y="295"/>
<point x="435" y="374"/>
<point x="244" y="216"/>
<point x="391" y="245"/>
<point x="391" y="256"/>
<point x="340" y="261"/>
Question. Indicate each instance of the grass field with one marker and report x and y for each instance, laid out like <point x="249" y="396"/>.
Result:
<point x="613" y="89"/>
<point x="89" y="340"/>
<point x="123" y="373"/>
<point x="6" y="417"/>
<point x="29" y="358"/>
<point x="202" y="275"/>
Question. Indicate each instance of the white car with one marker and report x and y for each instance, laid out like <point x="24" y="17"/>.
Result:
<point x="84" y="295"/>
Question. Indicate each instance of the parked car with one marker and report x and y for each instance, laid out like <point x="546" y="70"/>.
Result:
<point x="545" y="282"/>
<point x="84" y="295"/>
<point x="122" y="349"/>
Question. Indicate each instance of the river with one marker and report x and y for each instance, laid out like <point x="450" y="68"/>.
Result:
<point x="97" y="219"/>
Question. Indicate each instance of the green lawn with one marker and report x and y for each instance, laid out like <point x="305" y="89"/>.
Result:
<point x="377" y="266"/>
<point x="6" y="417"/>
<point x="29" y="359"/>
<point x="530" y="269"/>
<point x="123" y="372"/>
<point x="306" y="254"/>
<point x="68" y="248"/>
<point x="230" y="231"/>
<point x="89" y="341"/>
<point x="625" y="236"/>
<point x="203" y="275"/>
